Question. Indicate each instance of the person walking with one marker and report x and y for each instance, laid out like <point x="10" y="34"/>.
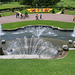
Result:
<point x="36" y="17"/>
<point x="40" y="16"/>
<point x="17" y="15"/>
<point x="21" y="16"/>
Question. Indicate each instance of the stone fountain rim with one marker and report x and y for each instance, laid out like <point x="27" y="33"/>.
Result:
<point x="31" y="57"/>
<point x="57" y="28"/>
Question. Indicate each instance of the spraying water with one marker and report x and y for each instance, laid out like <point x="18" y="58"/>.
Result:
<point x="73" y="34"/>
<point x="1" y="33"/>
<point x="34" y="45"/>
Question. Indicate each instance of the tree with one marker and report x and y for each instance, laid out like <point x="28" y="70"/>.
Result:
<point x="53" y="11"/>
<point x="39" y="2"/>
<point x="62" y="12"/>
<point x="26" y="2"/>
<point x="45" y="2"/>
<point x="5" y="0"/>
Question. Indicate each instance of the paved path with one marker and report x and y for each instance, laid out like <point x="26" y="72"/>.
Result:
<point x="55" y="17"/>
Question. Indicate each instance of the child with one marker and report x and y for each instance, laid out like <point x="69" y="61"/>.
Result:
<point x="74" y="18"/>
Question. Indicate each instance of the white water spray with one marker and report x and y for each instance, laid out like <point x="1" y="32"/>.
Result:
<point x="73" y="34"/>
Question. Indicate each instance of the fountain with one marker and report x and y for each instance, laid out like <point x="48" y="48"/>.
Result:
<point x="1" y="33"/>
<point x="37" y="31"/>
<point x="35" y="45"/>
<point x="32" y="46"/>
<point x="32" y="41"/>
<point x="73" y="34"/>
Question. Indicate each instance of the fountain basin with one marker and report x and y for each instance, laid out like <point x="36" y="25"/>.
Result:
<point x="31" y="40"/>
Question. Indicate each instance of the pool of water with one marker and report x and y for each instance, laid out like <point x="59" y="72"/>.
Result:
<point x="35" y="41"/>
<point x="43" y="32"/>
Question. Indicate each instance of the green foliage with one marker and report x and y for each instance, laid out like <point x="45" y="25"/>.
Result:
<point x="0" y="15"/>
<point x="12" y="9"/>
<point x="20" y="9"/>
<point x="53" y="11"/>
<point x="25" y="2"/>
<point x="59" y="8"/>
<point x="70" y="12"/>
<point x="11" y="5"/>
<point x="66" y="3"/>
<point x="7" y="14"/>
<point x="39" y="2"/>
<point x="62" y="12"/>
<point x="5" y="0"/>
<point x="22" y="2"/>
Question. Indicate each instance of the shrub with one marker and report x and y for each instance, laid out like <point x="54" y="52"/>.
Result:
<point x="20" y="9"/>
<point x="62" y="12"/>
<point x="12" y="9"/>
<point x="8" y="10"/>
<point x="0" y="15"/>
<point x="59" y="8"/>
<point x="71" y="8"/>
<point x="22" y="2"/>
<point x="53" y="11"/>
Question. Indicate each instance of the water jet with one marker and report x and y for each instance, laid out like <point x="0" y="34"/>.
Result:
<point x="73" y="34"/>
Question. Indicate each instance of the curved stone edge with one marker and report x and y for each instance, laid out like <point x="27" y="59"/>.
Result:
<point x="57" y="28"/>
<point x="33" y="56"/>
<point x="28" y="57"/>
<point x="24" y="57"/>
<point x="71" y="48"/>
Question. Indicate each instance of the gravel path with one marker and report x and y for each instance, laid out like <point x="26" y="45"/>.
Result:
<point x="55" y="17"/>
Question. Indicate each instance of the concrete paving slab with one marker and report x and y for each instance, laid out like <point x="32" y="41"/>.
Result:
<point x="31" y="57"/>
<point x="6" y="56"/>
<point x="71" y="48"/>
<point x="18" y="56"/>
<point x="45" y="57"/>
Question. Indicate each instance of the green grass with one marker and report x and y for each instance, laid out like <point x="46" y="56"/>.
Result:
<point x="7" y="14"/>
<point x="67" y="3"/>
<point x="64" y="66"/>
<point x="70" y="12"/>
<point x="64" y="25"/>
<point x="11" y="5"/>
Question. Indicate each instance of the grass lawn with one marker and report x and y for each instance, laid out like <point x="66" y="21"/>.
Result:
<point x="64" y="25"/>
<point x="67" y="3"/>
<point x="70" y="12"/>
<point x="7" y="14"/>
<point x="65" y="66"/>
<point x="11" y="5"/>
